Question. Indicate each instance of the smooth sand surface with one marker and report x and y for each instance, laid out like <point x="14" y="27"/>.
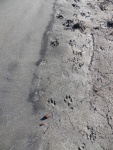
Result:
<point x="22" y="25"/>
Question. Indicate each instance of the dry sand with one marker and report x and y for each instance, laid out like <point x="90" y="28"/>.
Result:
<point x="72" y="88"/>
<point x="75" y="75"/>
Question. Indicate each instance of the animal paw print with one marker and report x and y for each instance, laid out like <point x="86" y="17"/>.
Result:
<point x="68" y="24"/>
<point x="82" y="147"/>
<point x="59" y="16"/>
<point x="68" y="100"/>
<point x="79" y="26"/>
<point x="54" y="42"/>
<point x="110" y="24"/>
<point x="102" y="7"/>
<point x="77" y="63"/>
<point x="77" y="66"/>
<point x="92" y="134"/>
<point x="51" y="101"/>
<point x="76" y="6"/>
<point x="72" y="43"/>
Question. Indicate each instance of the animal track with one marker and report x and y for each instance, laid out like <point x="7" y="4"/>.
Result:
<point x="110" y="24"/>
<point x="77" y="66"/>
<point x="68" y="100"/>
<point x="76" y="6"/>
<point x="70" y="25"/>
<point x="54" y="42"/>
<point x="82" y="147"/>
<point x="82" y="14"/>
<point x="102" y="6"/>
<point x="77" y="63"/>
<point x="92" y="134"/>
<point x="51" y="101"/>
<point x="91" y="5"/>
<point x="72" y="43"/>
<point x="59" y="16"/>
<point x="78" y="26"/>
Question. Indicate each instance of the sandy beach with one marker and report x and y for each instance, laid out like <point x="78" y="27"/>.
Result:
<point x="68" y="102"/>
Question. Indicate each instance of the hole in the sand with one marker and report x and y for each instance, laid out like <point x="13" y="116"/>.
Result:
<point x="51" y="101"/>
<point x="79" y="148"/>
<point x="75" y="6"/>
<point x="102" y="7"/>
<point x="82" y="14"/>
<point x="54" y="103"/>
<point x="59" y="16"/>
<point x="69" y="25"/>
<point x="66" y="97"/>
<point x="110" y="24"/>
<point x="64" y="100"/>
<point x="81" y="64"/>
<point x="71" y="100"/>
<point x="69" y="104"/>
<point x="78" y="26"/>
<point x="96" y="28"/>
<point x="72" y="108"/>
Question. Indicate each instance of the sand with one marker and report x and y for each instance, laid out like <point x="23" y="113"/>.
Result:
<point x="70" y="96"/>
<point x="75" y="77"/>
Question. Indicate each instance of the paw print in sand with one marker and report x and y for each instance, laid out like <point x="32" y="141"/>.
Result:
<point x="59" y="16"/>
<point x="70" y="25"/>
<point x="51" y="101"/>
<point x="76" y="6"/>
<point x="76" y="61"/>
<point x="72" y="43"/>
<point x="68" y="100"/>
<point x="82" y="147"/>
<point x="54" y="42"/>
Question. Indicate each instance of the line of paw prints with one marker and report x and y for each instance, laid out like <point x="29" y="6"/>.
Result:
<point x="68" y="100"/>
<point x="77" y="59"/>
<point x="89" y="133"/>
<point x="92" y="134"/>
